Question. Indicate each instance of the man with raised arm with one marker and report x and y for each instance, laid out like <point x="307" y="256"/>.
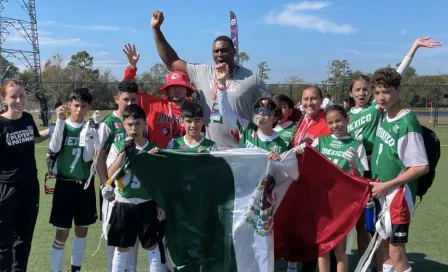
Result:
<point x="243" y="86"/>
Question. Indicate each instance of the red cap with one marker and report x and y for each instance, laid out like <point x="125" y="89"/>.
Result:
<point x="177" y="78"/>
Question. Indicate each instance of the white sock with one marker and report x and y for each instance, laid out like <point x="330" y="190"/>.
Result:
<point x="292" y="267"/>
<point x="132" y="258"/>
<point x="154" y="260"/>
<point x="120" y="261"/>
<point x="409" y="269"/>
<point x="388" y="268"/>
<point x="78" y="248"/>
<point x="110" y="256"/>
<point x="57" y="256"/>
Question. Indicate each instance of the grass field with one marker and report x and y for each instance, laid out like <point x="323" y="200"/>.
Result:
<point x="428" y="246"/>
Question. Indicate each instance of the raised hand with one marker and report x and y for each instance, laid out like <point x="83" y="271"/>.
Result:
<point x="221" y="73"/>
<point x="131" y="53"/>
<point x="61" y="111"/>
<point x="157" y="19"/>
<point x="350" y="155"/>
<point x="426" y="42"/>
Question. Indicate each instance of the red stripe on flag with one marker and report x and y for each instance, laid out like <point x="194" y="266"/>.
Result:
<point x="318" y="210"/>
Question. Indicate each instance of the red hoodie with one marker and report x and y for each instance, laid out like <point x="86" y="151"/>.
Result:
<point x="163" y="116"/>
<point x="310" y="129"/>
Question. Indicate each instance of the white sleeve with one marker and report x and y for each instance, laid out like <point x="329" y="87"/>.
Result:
<point x="404" y="65"/>
<point x="170" y="145"/>
<point x="363" y="157"/>
<point x="58" y="134"/>
<point x="214" y="148"/>
<point x="411" y="150"/>
<point x="113" y="154"/>
<point x="51" y="131"/>
<point x="103" y="132"/>
<point x="228" y="116"/>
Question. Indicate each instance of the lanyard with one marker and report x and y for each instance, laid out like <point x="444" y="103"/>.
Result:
<point x="308" y="125"/>
<point x="215" y="83"/>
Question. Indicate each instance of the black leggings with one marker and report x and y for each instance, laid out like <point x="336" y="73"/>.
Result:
<point x="19" y="206"/>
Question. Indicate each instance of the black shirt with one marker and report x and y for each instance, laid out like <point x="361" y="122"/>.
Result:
<point x="17" y="154"/>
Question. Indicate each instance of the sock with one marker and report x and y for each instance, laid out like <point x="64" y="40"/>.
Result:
<point x="78" y="248"/>
<point x="154" y="261"/>
<point x="75" y="268"/>
<point x="388" y="268"/>
<point x="120" y="260"/>
<point x="57" y="256"/>
<point x="409" y="269"/>
<point x="292" y="267"/>
<point x="132" y="258"/>
<point x="110" y="256"/>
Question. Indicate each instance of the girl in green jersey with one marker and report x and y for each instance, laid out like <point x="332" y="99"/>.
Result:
<point x="286" y="126"/>
<point x="347" y="153"/>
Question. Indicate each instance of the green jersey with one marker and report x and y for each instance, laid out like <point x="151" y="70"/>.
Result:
<point x="363" y="124"/>
<point x="182" y="144"/>
<point x="130" y="186"/>
<point x="111" y="130"/>
<point x="398" y="146"/>
<point x="333" y="147"/>
<point x="71" y="161"/>
<point x="286" y="131"/>
<point x="250" y="137"/>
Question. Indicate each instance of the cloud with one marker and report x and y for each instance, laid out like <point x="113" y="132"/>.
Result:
<point x="298" y="15"/>
<point x="46" y="39"/>
<point x="100" y="54"/>
<point x="375" y="55"/>
<point x="403" y="32"/>
<point x="104" y="64"/>
<point x="352" y="52"/>
<point x="90" y="27"/>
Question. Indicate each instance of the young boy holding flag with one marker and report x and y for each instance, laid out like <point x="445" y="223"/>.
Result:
<point x="134" y="213"/>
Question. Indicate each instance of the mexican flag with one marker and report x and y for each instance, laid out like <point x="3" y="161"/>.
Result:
<point x="218" y="205"/>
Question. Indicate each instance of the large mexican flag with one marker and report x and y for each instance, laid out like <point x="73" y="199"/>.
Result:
<point x="218" y="205"/>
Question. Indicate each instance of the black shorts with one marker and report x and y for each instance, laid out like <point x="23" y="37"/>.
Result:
<point x="400" y="233"/>
<point x="72" y="203"/>
<point x="129" y="221"/>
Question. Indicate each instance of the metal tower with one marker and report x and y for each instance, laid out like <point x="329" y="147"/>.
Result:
<point x="26" y="26"/>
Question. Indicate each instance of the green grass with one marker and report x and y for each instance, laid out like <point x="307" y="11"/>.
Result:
<point x="427" y="248"/>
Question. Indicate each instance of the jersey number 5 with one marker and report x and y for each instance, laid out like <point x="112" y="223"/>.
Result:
<point x="77" y="153"/>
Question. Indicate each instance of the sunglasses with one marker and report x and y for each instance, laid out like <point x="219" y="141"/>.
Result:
<point x="266" y="111"/>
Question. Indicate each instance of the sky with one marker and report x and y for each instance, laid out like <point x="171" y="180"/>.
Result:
<point x="295" y="38"/>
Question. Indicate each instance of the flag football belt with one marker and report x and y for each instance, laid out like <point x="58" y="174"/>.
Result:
<point x="49" y="176"/>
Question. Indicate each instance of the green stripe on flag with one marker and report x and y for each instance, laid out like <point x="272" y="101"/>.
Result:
<point x="197" y="193"/>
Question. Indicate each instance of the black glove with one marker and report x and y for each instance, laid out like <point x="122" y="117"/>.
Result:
<point x="128" y="146"/>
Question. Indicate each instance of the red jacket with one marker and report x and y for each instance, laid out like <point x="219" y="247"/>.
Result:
<point x="310" y="129"/>
<point x="163" y="116"/>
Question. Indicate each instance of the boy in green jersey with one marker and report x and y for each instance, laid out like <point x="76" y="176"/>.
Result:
<point x="134" y="213"/>
<point x="71" y="202"/>
<point x="398" y="159"/>
<point x="111" y="129"/>
<point x="192" y="122"/>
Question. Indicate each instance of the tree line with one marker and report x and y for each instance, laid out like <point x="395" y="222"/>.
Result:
<point x="60" y="77"/>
